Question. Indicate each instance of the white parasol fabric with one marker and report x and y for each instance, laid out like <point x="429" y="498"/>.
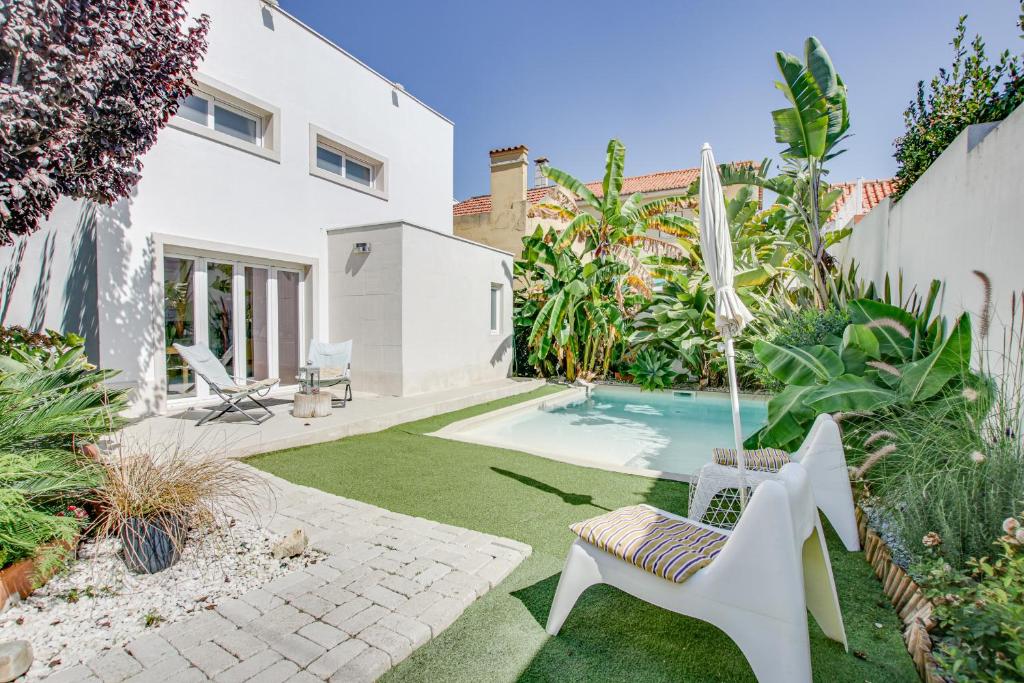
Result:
<point x="731" y="316"/>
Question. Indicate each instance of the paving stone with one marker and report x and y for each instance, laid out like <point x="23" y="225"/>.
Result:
<point x="336" y="657"/>
<point x="495" y="571"/>
<point x="335" y="593"/>
<point x="249" y="667"/>
<point x="74" y="674"/>
<point x="262" y="599"/>
<point x="276" y="673"/>
<point x="456" y="583"/>
<point x="300" y="583"/>
<point x="167" y="669"/>
<point x="400" y="556"/>
<point x="386" y="597"/>
<point x="341" y="563"/>
<point x="397" y="647"/>
<point x="441" y="614"/>
<point x="418" y="604"/>
<point x="366" y="553"/>
<point x="358" y="622"/>
<point x="300" y="650"/>
<point x="210" y="658"/>
<point x="368" y="665"/>
<point x="323" y="571"/>
<point x="150" y="649"/>
<point x="240" y="643"/>
<point x="312" y="604"/>
<point x="114" y="666"/>
<point x="384" y="564"/>
<point x="303" y="677"/>
<point x="343" y="613"/>
<point x="323" y="634"/>
<point x="351" y="575"/>
<point x="372" y="578"/>
<point x="402" y="585"/>
<point x="237" y="611"/>
<point x="284" y="619"/>
<point x="415" y="567"/>
<point x="472" y="561"/>
<point x="414" y="631"/>
<point x="435" y="571"/>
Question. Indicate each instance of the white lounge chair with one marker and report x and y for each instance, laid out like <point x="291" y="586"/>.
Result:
<point x="821" y="454"/>
<point x="755" y="582"/>
<point x="335" y="363"/>
<point x="231" y="392"/>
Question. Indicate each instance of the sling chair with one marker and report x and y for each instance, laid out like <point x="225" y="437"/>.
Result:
<point x="231" y="392"/>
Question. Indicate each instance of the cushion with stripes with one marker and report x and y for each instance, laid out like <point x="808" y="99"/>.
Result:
<point x="671" y="548"/>
<point x="764" y="459"/>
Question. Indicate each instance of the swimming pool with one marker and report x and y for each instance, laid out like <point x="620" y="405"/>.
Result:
<point x="617" y="428"/>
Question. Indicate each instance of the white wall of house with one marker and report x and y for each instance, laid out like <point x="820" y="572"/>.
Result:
<point x="418" y="307"/>
<point x="198" y="192"/>
<point x="962" y="215"/>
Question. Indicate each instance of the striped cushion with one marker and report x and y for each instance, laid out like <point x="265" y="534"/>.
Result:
<point x="671" y="548"/>
<point x="764" y="459"/>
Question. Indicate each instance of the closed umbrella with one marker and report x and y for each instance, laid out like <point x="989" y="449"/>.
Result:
<point x="731" y="316"/>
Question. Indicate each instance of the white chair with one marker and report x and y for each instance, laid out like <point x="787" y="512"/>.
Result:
<point x="231" y="392"/>
<point x="821" y="454"/>
<point x="756" y="583"/>
<point x="335" y="363"/>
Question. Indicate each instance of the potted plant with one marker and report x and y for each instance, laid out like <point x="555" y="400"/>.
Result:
<point x="150" y="501"/>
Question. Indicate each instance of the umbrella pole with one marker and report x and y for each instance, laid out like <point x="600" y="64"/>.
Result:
<point x="737" y="427"/>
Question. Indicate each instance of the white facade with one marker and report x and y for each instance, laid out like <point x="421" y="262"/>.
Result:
<point x="254" y="215"/>
<point x="962" y="215"/>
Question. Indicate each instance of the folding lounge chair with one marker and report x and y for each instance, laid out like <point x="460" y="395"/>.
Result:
<point x="206" y="365"/>
<point x="755" y="582"/>
<point x="335" y="363"/>
<point x="821" y="454"/>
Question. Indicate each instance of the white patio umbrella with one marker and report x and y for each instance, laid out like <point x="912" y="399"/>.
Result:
<point x="731" y="316"/>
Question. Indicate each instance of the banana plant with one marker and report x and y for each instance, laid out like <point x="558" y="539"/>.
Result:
<point x="886" y="356"/>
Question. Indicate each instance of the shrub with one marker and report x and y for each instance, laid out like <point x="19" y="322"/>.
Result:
<point x="652" y="369"/>
<point x="979" y="612"/>
<point x="807" y="327"/>
<point x="973" y="90"/>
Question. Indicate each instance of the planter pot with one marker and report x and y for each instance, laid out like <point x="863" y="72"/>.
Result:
<point x="18" y="580"/>
<point x="149" y="546"/>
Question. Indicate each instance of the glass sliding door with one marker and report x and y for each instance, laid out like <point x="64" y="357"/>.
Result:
<point x="221" y="314"/>
<point x="257" y="323"/>
<point x="179" y="323"/>
<point x="289" y="348"/>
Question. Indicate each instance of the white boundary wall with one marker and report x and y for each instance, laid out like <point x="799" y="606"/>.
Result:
<point x="964" y="214"/>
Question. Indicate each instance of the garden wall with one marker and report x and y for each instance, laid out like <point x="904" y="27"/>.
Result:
<point x="963" y="214"/>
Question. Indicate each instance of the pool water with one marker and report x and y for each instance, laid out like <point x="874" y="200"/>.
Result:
<point x="623" y="427"/>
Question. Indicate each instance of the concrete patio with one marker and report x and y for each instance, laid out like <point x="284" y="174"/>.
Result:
<point x="234" y="437"/>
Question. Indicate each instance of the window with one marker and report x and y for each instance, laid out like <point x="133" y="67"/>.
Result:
<point x="495" y="308"/>
<point x="220" y="113"/>
<point x="339" y="163"/>
<point x="345" y="163"/>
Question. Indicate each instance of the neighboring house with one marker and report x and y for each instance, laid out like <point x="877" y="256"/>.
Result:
<point x="512" y="209"/>
<point x="859" y="197"/>
<point x="298" y="194"/>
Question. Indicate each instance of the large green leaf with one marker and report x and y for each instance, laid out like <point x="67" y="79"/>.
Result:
<point x="860" y="336"/>
<point x="787" y="412"/>
<point x="799" y="365"/>
<point x="924" y="378"/>
<point x="848" y="393"/>
<point x="895" y="341"/>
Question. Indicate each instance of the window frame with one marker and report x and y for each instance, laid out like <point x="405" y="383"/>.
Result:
<point x="348" y="151"/>
<point x="494" y="307"/>
<point x="266" y="117"/>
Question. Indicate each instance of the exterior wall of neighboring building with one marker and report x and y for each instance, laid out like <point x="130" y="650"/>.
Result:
<point x="417" y="324"/>
<point x="205" y="194"/>
<point x="962" y="215"/>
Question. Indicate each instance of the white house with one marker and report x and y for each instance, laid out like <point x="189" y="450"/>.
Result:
<point x="241" y="234"/>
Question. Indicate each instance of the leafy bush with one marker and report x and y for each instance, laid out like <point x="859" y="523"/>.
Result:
<point x="973" y="90"/>
<point x="652" y="370"/>
<point x="807" y="327"/>
<point x="45" y="349"/>
<point x="980" y="611"/>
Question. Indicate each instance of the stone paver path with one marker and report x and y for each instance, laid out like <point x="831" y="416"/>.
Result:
<point x="389" y="584"/>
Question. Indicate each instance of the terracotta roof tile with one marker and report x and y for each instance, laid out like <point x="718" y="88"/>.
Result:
<point x="874" y="192"/>
<point x="652" y="182"/>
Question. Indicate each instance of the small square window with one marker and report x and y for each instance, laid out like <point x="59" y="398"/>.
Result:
<point x="495" y="309"/>
<point x="236" y="124"/>
<point x="329" y="160"/>
<point x="195" y="108"/>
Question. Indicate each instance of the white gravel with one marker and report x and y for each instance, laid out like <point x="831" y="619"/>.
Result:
<point x="97" y="604"/>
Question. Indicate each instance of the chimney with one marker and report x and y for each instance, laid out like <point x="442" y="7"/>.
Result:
<point x="539" y="179"/>
<point x="508" y="177"/>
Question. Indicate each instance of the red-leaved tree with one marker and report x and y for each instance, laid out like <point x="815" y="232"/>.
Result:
<point x="85" y="86"/>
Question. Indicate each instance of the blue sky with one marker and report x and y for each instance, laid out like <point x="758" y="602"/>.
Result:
<point x="663" y="77"/>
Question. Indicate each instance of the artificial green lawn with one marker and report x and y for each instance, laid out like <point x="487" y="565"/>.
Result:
<point x="610" y="636"/>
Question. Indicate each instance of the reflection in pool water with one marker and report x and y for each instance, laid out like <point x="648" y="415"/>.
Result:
<point x="666" y="431"/>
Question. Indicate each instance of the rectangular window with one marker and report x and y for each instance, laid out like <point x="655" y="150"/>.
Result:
<point x="495" y="309"/>
<point x="339" y="163"/>
<point x="237" y="124"/>
<point x="179" y="323"/>
<point x="195" y="108"/>
<point x="227" y="119"/>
